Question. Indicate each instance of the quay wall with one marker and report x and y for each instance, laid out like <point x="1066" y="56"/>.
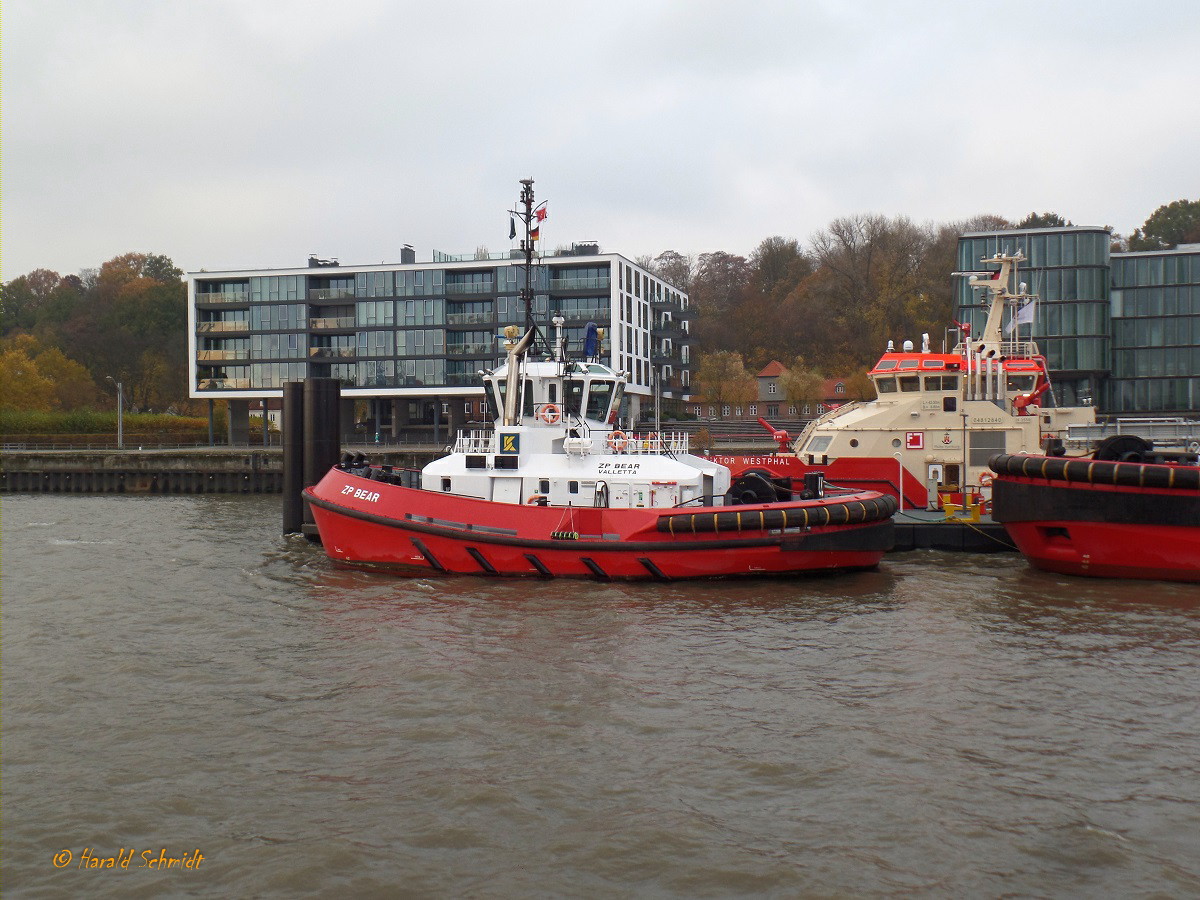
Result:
<point x="189" y="470"/>
<point x="204" y="470"/>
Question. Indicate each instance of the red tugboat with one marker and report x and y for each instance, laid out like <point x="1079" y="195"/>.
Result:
<point x="1127" y="512"/>
<point x="553" y="489"/>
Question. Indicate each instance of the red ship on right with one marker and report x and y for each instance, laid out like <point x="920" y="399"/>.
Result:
<point x="1128" y="511"/>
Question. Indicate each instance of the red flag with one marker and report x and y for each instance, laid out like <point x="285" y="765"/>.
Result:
<point x="539" y="216"/>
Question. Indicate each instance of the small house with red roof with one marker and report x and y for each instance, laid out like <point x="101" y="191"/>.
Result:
<point x="771" y="403"/>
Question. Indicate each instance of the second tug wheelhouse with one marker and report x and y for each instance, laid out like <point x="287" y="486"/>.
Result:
<point x="555" y="489"/>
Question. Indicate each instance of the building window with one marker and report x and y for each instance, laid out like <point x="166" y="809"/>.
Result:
<point x="773" y="410"/>
<point x="792" y="410"/>
<point x="737" y="411"/>
<point x="772" y="387"/>
<point x="839" y="388"/>
<point x="724" y="410"/>
<point x="754" y="409"/>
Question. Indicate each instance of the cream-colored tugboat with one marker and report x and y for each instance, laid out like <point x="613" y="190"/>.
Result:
<point x="938" y="417"/>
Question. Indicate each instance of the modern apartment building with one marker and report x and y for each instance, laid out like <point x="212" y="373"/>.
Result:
<point x="1119" y="330"/>
<point x="1155" y="332"/>
<point x="408" y="340"/>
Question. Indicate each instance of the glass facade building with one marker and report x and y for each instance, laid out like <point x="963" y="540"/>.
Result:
<point x="1155" y="332"/>
<point x="423" y="331"/>
<point x="1068" y="269"/>
<point x="1120" y="330"/>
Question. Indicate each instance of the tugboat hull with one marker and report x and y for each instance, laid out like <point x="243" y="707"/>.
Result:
<point x="371" y="524"/>
<point x="1104" y="519"/>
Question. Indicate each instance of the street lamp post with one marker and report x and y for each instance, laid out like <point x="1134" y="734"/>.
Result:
<point x="120" y="411"/>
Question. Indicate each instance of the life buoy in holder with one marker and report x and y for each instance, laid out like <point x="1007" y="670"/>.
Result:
<point x="550" y="414"/>
<point x="537" y="500"/>
<point x="617" y="441"/>
<point x="985" y="479"/>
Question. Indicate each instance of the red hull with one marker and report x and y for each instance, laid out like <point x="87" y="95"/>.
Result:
<point x="1085" y="517"/>
<point x="853" y="473"/>
<point x="1107" y="550"/>
<point x="370" y="524"/>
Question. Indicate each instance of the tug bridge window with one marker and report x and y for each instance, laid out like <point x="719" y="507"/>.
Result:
<point x="599" y="398"/>
<point x="573" y="396"/>
<point x="941" y="382"/>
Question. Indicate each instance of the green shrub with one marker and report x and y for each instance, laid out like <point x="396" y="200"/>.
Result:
<point x="82" y="421"/>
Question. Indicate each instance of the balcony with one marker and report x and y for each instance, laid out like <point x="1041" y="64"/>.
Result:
<point x="330" y="323"/>
<point x="208" y="327"/>
<point x="600" y="315"/>
<point x="331" y="352"/>
<point x="664" y="302"/>
<point x="469" y="288"/>
<point x="469" y="349"/>
<point x="667" y="330"/>
<point x="241" y="298"/>
<point x="331" y="293"/>
<point x="589" y="283"/>
<point x="223" y="355"/>
<point x="473" y="318"/>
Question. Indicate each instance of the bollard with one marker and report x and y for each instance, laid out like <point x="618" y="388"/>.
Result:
<point x="293" y="456"/>
<point x="322" y="434"/>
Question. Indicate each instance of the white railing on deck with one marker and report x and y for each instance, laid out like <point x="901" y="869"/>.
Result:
<point x="475" y="442"/>
<point x="630" y="443"/>
<point x="649" y="442"/>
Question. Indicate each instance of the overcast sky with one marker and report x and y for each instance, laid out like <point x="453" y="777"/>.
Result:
<point x="249" y="133"/>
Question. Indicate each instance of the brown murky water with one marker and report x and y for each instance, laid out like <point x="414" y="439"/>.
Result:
<point x="180" y="680"/>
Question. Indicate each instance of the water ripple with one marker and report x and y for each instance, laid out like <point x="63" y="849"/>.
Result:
<point x="178" y="675"/>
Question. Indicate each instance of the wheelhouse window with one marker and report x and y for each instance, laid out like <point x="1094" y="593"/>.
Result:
<point x="599" y="398"/>
<point x="885" y="385"/>
<point x="909" y="384"/>
<point x="941" y="382"/>
<point x="573" y="396"/>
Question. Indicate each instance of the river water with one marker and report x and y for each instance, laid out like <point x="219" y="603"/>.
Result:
<point x="180" y="682"/>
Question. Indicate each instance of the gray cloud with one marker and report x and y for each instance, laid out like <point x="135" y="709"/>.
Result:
<point x="232" y="134"/>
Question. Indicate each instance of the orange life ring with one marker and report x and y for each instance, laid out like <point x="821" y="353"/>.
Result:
<point x="986" y="479"/>
<point x="536" y="500"/>
<point x="550" y="414"/>
<point x="617" y="441"/>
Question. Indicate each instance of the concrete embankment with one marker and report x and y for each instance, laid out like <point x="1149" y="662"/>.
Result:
<point x="193" y="470"/>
